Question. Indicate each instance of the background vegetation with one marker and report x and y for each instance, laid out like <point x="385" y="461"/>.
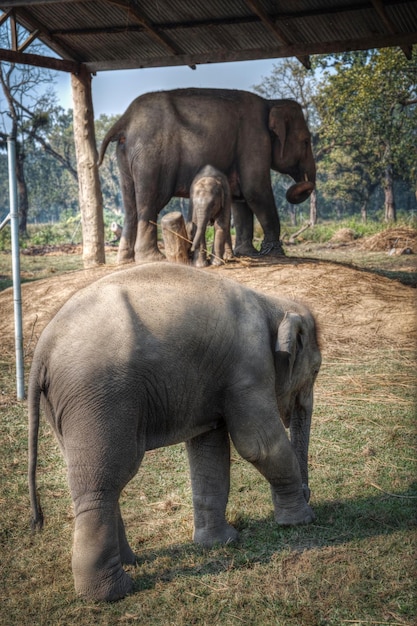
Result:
<point x="361" y="109"/>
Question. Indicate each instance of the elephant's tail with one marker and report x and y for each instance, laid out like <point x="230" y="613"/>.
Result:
<point x="116" y="133"/>
<point x="34" y="396"/>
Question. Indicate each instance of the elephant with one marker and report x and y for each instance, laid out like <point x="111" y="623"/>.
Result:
<point x="164" y="138"/>
<point x="154" y="355"/>
<point x="210" y="202"/>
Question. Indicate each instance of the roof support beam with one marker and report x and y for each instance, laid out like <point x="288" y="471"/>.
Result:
<point x="39" y="60"/>
<point x="275" y="29"/>
<point x="227" y="56"/>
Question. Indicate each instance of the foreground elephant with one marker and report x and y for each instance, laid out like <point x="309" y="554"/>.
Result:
<point x="164" y="138"/>
<point x="159" y="354"/>
<point x="210" y="202"/>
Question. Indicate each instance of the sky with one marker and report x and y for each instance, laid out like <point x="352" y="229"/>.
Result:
<point x="114" y="91"/>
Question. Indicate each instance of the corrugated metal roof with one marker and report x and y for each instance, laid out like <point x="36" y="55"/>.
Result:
<point x="117" y="34"/>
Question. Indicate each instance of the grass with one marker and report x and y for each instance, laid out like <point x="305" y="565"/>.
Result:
<point x="355" y="565"/>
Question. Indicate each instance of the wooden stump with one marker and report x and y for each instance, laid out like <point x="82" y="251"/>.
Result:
<point x="177" y="246"/>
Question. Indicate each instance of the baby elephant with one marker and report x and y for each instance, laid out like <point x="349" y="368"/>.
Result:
<point x="155" y="355"/>
<point x="210" y="202"/>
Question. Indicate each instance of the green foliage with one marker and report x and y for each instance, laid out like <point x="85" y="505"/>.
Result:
<point x="361" y="108"/>
<point x="367" y="103"/>
<point x="324" y="231"/>
<point x="109" y="171"/>
<point x="5" y="239"/>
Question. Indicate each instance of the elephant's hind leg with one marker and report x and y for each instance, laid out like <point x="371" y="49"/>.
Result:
<point x="96" y="478"/>
<point x="96" y="561"/>
<point x="209" y="459"/>
<point x="127" y="556"/>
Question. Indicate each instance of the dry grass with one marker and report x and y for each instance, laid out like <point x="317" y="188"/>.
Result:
<point x="392" y="238"/>
<point x="354" y="565"/>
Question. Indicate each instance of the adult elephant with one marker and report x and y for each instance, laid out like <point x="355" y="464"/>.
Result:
<point x="165" y="137"/>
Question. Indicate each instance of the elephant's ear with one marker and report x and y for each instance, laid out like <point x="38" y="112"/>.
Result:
<point x="288" y="343"/>
<point x="277" y="124"/>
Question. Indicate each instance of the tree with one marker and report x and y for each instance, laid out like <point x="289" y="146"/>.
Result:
<point x="50" y="169"/>
<point x="367" y="103"/>
<point x="109" y="171"/>
<point x="29" y="113"/>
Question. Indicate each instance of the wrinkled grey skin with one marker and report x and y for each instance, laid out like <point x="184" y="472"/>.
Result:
<point x="155" y="355"/>
<point x="164" y="138"/>
<point x="210" y="202"/>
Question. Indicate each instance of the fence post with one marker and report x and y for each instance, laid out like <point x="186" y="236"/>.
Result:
<point x="17" y="297"/>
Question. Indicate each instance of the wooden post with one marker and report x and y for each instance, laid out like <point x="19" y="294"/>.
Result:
<point x="177" y="246"/>
<point x="90" y="198"/>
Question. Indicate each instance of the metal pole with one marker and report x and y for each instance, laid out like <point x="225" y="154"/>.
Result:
<point x="17" y="297"/>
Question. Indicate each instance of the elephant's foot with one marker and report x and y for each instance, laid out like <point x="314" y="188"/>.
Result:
<point x="209" y="537"/>
<point x="201" y="262"/>
<point x="152" y="255"/>
<point x="104" y="589"/>
<point x="292" y="514"/>
<point x="125" y="256"/>
<point x="295" y="518"/>
<point x="272" y="248"/>
<point x="246" y="249"/>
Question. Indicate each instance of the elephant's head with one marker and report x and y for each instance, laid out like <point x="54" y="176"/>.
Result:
<point x="291" y="148"/>
<point x="297" y="362"/>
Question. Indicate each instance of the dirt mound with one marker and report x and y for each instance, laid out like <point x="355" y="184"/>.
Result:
<point x="354" y="308"/>
<point x="391" y="239"/>
<point x="343" y="235"/>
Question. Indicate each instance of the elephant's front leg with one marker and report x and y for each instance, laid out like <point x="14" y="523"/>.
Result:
<point x="264" y="443"/>
<point x="222" y="244"/>
<point x="209" y="459"/>
<point x="243" y="222"/>
<point x="96" y="559"/>
<point x="146" y="245"/>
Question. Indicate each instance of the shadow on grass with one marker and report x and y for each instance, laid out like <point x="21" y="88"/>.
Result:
<point x="337" y="523"/>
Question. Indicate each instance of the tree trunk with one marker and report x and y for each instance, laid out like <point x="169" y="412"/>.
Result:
<point x="177" y="245"/>
<point x="390" y="209"/>
<point x="364" y="214"/>
<point x="90" y="197"/>
<point x="292" y="210"/>
<point x="313" y="208"/>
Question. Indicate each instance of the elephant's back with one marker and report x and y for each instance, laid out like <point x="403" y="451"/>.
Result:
<point x="163" y="299"/>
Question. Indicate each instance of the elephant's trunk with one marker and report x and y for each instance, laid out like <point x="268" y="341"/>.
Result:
<point x="300" y="191"/>
<point x="300" y="436"/>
